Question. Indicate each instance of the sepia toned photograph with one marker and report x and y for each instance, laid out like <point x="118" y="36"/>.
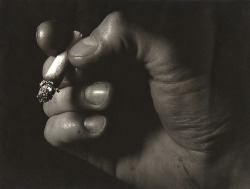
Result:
<point x="124" y="94"/>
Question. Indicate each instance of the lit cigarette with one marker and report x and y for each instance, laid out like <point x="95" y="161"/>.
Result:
<point x="55" y="73"/>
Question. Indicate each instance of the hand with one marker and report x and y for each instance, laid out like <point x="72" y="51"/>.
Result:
<point x="154" y="108"/>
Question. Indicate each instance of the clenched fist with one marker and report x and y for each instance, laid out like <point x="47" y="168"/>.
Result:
<point x="158" y="108"/>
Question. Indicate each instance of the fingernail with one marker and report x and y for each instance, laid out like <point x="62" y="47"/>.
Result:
<point x="85" y="47"/>
<point x="97" y="94"/>
<point x="95" y="124"/>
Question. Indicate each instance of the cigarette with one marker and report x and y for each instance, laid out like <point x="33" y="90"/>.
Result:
<point x="56" y="72"/>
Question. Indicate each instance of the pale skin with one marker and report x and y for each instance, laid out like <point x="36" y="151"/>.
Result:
<point x="166" y="111"/>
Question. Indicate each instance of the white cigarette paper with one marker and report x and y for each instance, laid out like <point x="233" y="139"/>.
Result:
<point x="55" y="73"/>
<point x="61" y="61"/>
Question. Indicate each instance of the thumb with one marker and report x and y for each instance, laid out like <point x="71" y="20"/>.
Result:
<point x="114" y="35"/>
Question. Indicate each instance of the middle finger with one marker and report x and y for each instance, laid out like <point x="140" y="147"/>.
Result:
<point x="96" y="97"/>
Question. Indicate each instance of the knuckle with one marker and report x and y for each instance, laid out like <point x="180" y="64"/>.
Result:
<point x="113" y="27"/>
<point x="118" y="22"/>
<point x="116" y="18"/>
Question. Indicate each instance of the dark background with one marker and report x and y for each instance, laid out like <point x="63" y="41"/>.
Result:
<point x="26" y="159"/>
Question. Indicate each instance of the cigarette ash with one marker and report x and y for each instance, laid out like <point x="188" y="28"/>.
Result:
<point x="46" y="91"/>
